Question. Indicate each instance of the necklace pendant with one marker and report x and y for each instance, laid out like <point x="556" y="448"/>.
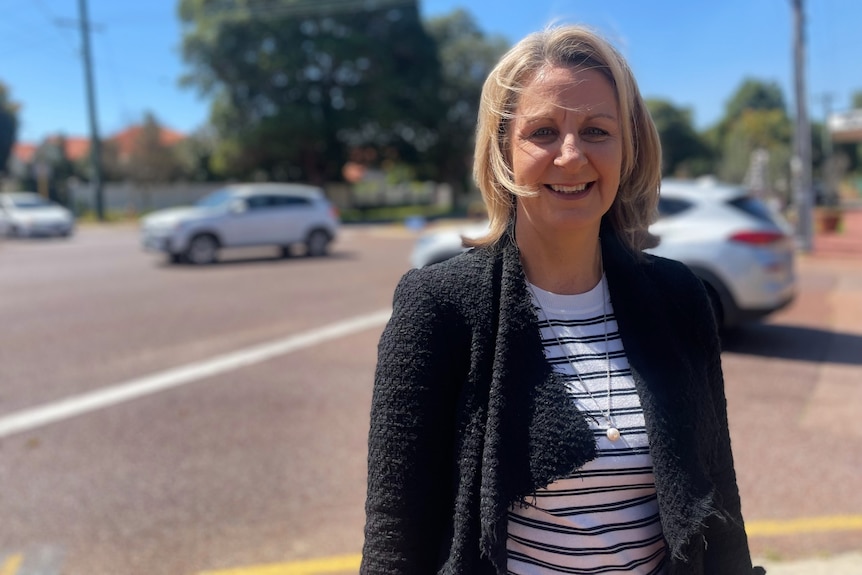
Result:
<point x="613" y="433"/>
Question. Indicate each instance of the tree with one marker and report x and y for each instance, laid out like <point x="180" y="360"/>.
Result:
<point x="297" y="84"/>
<point x="151" y="159"/>
<point x="684" y="152"/>
<point x="755" y="94"/>
<point x="849" y="154"/>
<point x="769" y="130"/>
<point x="195" y="153"/>
<point x="755" y="120"/>
<point x="466" y="57"/>
<point x="8" y="127"/>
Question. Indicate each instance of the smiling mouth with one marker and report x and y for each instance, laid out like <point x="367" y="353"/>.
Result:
<point x="570" y="189"/>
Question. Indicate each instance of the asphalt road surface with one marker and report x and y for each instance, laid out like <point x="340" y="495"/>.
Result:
<point x="174" y="420"/>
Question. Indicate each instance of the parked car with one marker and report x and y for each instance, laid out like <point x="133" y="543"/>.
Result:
<point x="735" y="243"/>
<point x="244" y="215"/>
<point x="27" y="214"/>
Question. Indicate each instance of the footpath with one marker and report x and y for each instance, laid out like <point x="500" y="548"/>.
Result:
<point x="842" y="252"/>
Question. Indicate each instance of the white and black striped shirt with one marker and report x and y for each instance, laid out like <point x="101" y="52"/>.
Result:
<point x="602" y="519"/>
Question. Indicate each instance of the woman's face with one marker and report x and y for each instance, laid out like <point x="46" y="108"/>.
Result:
<point x="566" y="144"/>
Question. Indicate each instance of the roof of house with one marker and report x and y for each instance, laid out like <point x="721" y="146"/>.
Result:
<point x="125" y="139"/>
<point x="78" y="148"/>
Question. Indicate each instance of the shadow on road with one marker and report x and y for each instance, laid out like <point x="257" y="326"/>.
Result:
<point x="795" y="342"/>
<point x="275" y="259"/>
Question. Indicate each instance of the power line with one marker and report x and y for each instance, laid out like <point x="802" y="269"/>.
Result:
<point x="265" y="9"/>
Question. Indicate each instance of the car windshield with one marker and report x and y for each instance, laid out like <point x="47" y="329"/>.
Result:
<point x="29" y="202"/>
<point x="217" y="199"/>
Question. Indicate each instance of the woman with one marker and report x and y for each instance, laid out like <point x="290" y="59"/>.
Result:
<point x="552" y="400"/>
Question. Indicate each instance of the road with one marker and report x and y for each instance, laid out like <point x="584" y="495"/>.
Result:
<point x="252" y="465"/>
<point x="256" y="455"/>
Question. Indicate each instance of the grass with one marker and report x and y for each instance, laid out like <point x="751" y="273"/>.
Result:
<point x="348" y="215"/>
<point x="393" y="213"/>
<point x="111" y="217"/>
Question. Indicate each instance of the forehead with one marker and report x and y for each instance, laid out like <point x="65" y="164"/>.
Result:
<point x="583" y="89"/>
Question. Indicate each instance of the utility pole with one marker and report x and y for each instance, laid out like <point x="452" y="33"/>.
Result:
<point x="801" y="163"/>
<point x="95" y="144"/>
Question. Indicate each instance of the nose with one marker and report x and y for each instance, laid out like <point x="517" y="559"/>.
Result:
<point x="570" y="153"/>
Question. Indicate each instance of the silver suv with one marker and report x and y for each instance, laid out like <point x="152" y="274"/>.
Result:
<point x="740" y="248"/>
<point x="244" y="215"/>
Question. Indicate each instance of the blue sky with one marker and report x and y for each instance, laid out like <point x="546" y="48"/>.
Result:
<point x="692" y="53"/>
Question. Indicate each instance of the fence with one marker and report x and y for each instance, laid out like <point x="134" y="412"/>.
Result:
<point x="134" y="199"/>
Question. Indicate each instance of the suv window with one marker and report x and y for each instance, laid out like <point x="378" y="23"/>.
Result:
<point x="258" y="202"/>
<point x="753" y="207"/>
<point x="671" y="206"/>
<point x="290" y="201"/>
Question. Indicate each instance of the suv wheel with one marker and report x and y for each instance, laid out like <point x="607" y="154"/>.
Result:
<point x="317" y="243"/>
<point x="202" y="250"/>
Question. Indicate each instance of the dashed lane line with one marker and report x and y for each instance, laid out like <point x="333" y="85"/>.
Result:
<point x="350" y="563"/>
<point x="32" y="418"/>
<point x="11" y="564"/>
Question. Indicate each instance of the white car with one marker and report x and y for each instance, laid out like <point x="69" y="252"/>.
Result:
<point x="27" y="214"/>
<point x="244" y="215"/>
<point x="741" y="249"/>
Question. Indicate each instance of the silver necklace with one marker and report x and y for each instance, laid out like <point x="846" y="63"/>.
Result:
<point x="612" y="432"/>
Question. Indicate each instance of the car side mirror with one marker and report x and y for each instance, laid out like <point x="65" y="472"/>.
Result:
<point x="238" y="207"/>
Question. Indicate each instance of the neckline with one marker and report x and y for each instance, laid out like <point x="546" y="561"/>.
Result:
<point x="592" y="300"/>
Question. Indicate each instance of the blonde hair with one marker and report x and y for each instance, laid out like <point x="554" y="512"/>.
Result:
<point x="575" y="47"/>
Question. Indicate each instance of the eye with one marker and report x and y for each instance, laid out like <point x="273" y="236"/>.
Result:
<point x="594" y="134"/>
<point x="543" y="134"/>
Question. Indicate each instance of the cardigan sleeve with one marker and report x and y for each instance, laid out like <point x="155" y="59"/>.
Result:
<point x="726" y="549"/>
<point x="410" y="444"/>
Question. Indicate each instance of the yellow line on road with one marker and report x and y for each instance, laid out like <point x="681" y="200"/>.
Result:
<point x="350" y="563"/>
<point x="343" y="563"/>
<point x="824" y="524"/>
<point x="11" y="565"/>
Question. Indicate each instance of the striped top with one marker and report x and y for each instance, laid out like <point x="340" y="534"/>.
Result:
<point x="603" y="518"/>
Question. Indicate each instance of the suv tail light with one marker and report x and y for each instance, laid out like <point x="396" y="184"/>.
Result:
<point x="757" y="238"/>
<point x="333" y="211"/>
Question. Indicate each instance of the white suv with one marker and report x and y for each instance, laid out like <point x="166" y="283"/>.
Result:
<point x="741" y="249"/>
<point x="243" y="215"/>
<point x="735" y="243"/>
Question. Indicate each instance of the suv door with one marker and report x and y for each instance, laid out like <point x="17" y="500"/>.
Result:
<point x="293" y="215"/>
<point x="251" y="225"/>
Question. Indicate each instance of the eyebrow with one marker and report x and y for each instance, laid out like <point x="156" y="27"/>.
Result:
<point x="543" y="116"/>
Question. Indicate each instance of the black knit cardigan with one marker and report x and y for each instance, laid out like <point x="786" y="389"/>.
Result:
<point x="468" y="418"/>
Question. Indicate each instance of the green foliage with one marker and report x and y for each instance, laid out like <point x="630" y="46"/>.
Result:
<point x="466" y="57"/>
<point x="151" y="160"/>
<point x="755" y="94"/>
<point x="392" y="213"/>
<point x="8" y="126"/>
<point x="768" y="130"/>
<point x="755" y="119"/>
<point x="194" y="154"/>
<point x="56" y="167"/>
<point x="684" y="152"/>
<point x="298" y="84"/>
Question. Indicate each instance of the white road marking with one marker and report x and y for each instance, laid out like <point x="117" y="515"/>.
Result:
<point x="32" y="418"/>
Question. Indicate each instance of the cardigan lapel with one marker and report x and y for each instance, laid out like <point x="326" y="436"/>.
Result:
<point x="663" y="375"/>
<point x="534" y="433"/>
